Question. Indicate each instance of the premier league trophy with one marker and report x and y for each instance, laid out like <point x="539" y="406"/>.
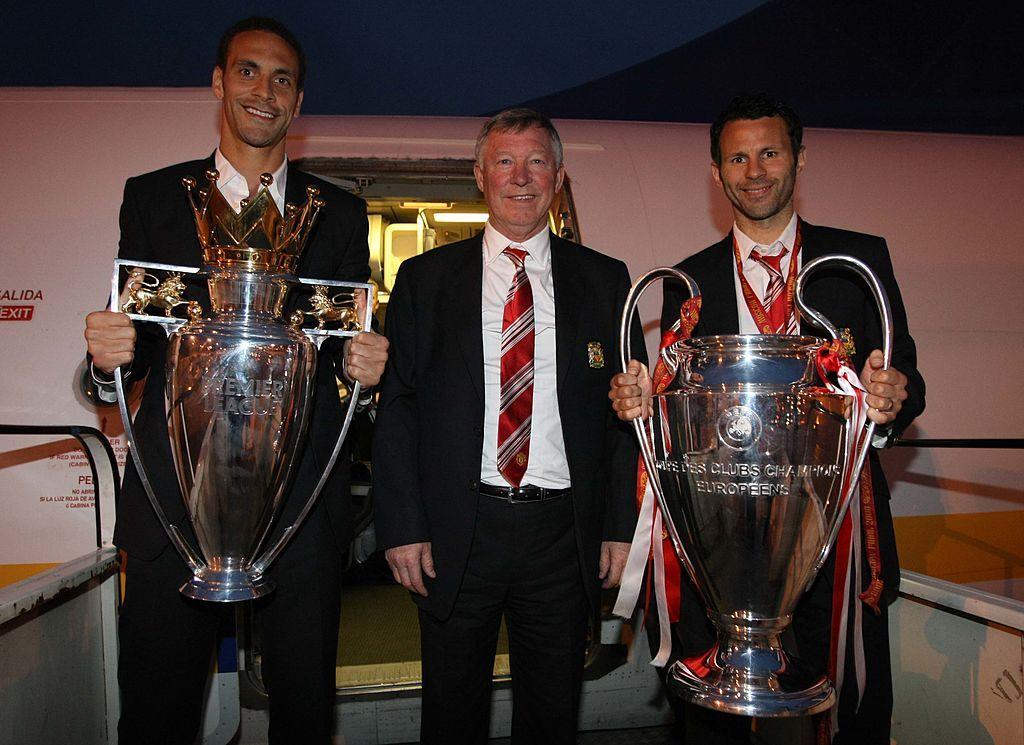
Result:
<point x="239" y="381"/>
<point x="753" y="452"/>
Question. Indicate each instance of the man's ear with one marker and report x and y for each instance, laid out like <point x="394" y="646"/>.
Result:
<point x="217" y="83"/>
<point x="298" y="104"/>
<point x="559" y="178"/>
<point x="478" y="173"/>
<point x="800" y="159"/>
<point x="716" y="173"/>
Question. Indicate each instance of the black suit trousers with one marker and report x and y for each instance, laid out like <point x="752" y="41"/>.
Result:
<point x="524" y="565"/>
<point x="167" y="641"/>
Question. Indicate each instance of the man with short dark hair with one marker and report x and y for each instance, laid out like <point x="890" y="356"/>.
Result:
<point x="502" y="483"/>
<point x="166" y="640"/>
<point x="757" y="153"/>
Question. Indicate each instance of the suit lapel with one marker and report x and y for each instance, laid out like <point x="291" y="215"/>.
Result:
<point x="817" y="289"/>
<point x="463" y="310"/>
<point x="191" y="252"/>
<point x="719" y="314"/>
<point x="295" y="187"/>
<point x="569" y="286"/>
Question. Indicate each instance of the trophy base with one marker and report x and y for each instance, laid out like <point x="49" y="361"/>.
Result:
<point x="736" y="690"/>
<point x="229" y="586"/>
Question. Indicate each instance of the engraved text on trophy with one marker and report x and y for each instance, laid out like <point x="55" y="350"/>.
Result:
<point x="237" y="395"/>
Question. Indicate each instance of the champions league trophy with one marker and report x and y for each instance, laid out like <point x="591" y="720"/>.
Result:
<point x="239" y="382"/>
<point x="754" y="464"/>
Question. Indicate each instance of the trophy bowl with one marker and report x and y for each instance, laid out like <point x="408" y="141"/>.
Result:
<point x="753" y="460"/>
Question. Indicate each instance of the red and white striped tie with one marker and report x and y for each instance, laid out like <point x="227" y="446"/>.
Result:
<point x="774" y="302"/>
<point x="517" y="342"/>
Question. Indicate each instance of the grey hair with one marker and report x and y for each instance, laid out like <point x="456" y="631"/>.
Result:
<point x="519" y="120"/>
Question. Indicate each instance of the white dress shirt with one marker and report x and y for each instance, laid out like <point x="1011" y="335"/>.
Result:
<point x="548" y="466"/>
<point x="235" y="188"/>
<point x="755" y="273"/>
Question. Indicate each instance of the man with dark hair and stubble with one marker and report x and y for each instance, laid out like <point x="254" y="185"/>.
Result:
<point x="502" y="482"/>
<point x="756" y="154"/>
<point x="166" y="640"/>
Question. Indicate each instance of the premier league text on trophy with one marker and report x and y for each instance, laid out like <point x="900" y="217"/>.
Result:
<point x="239" y="395"/>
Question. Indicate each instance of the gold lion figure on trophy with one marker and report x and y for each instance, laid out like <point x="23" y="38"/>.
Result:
<point x="145" y="290"/>
<point x="330" y="309"/>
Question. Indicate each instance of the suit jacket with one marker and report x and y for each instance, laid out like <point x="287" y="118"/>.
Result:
<point x="845" y="300"/>
<point x="157" y="226"/>
<point x="430" y="421"/>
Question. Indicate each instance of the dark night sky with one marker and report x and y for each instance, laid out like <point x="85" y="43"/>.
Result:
<point x="389" y="57"/>
<point x="911" y="65"/>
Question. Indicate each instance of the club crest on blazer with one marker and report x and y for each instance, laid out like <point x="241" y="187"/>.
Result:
<point x="595" y="354"/>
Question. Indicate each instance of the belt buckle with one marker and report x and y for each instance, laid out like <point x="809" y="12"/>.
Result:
<point x="519" y="494"/>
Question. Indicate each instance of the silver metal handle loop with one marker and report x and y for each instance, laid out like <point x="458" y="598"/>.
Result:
<point x="645" y="429"/>
<point x="885" y="313"/>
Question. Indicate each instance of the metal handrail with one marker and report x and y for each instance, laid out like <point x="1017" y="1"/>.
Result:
<point x="1009" y="443"/>
<point x="95" y="444"/>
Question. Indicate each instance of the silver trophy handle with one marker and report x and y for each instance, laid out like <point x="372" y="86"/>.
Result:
<point x="645" y="429"/>
<point x="260" y="566"/>
<point x="190" y="556"/>
<point x="885" y="311"/>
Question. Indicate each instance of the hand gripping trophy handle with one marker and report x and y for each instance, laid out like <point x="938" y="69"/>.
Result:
<point x="644" y="428"/>
<point x="885" y="314"/>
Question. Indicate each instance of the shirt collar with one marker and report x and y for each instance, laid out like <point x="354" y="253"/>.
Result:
<point x="538" y="247"/>
<point x="234" y="187"/>
<point x="747" y="244"/>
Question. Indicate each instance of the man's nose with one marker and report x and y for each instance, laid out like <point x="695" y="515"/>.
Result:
<point x="265" y="87"/>
<point x="521" y="174"/>
<point x="755" y="169"/>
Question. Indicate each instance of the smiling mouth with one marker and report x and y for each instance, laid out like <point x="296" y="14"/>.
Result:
<point x="757" y="191"/>
<point x="522" y="197"/>
<point x="260" y="113"/>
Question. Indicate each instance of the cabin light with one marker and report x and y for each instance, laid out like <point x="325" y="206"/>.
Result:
<point x="461" y="217"/>
<point x="425" y="205"/>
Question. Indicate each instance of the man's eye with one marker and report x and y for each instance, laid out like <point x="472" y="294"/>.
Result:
<point x="770" y="154"/>
<point x="245" y="72"/>
<point x="737" y="159"/>
<point x="284" y="81"/>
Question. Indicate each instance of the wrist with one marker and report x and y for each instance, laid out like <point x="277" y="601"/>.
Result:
<point x="102" y="378"/>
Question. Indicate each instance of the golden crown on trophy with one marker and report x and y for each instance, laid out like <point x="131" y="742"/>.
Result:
<point x="257" y="236"/>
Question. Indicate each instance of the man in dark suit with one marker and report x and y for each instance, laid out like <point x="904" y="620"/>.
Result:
<point x="757" y="152"/>
<point x="166" y="640"/>
<point x="502" y="480"/>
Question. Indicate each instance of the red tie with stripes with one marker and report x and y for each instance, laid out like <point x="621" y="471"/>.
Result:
<point x="516" y="405"/>
<point x="774" y="302"/>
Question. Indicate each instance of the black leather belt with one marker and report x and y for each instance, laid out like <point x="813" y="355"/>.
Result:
<point x="515" y="494"/>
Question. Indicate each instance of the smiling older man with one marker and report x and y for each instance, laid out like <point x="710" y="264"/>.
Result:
<point x="503" y="483"/>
